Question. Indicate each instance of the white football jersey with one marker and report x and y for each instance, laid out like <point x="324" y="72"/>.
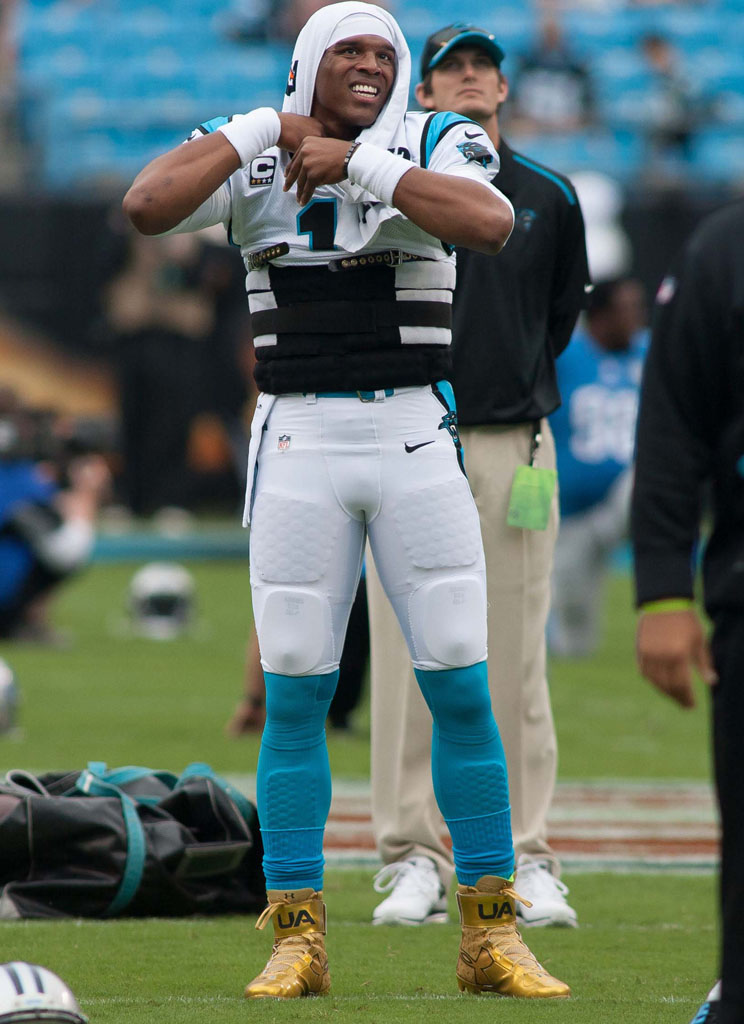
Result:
<point x="258" y="213"/>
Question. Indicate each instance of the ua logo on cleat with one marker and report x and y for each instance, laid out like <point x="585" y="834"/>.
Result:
<point x="498" y="910"/>
<point x="303" y="917"/>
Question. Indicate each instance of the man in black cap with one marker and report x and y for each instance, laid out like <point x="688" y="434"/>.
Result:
<point x="513" y="315"/>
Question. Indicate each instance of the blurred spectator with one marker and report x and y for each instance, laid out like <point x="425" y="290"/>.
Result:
<point x="159" y="314"/>
<point x="48" y="507"/>
<point x="552" y="89"/>
<point x="251" y="21"/>
<point x="229" y="353"/>
<point x="599" y="377"/>
<point x="673" y="110"/>
<point x="7" y="48"/>
<point x="608" y="247"/>
<point x="8" y="88"/>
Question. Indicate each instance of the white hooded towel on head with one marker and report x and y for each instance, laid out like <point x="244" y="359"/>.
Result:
<point x="326" y="27"/>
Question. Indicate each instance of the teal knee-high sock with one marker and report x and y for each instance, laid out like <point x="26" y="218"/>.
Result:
<point x="469" y="771"/>
<point x="294" y="779"/>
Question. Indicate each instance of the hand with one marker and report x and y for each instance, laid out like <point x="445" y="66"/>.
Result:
<point x="249" y="716"/>
<point x="90" y="473"/>
<point x="296" y="127"/>
<point x="316" y="162"/>
<point x="668" y="644"/>
<point x="90" y="485"/>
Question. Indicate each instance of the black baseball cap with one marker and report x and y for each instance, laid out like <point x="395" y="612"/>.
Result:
<point x="459" y="34"/>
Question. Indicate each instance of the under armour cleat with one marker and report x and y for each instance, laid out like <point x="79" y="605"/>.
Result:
<point x="493" y="957"/>
<point x="298" y="965"/>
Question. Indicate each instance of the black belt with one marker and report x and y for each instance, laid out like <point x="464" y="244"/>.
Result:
<point x="259" y="259"/>
<point x="350" y="317"/>
<point x="389" y="258"/>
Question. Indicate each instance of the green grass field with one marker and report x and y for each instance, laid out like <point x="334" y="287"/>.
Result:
<point x="646" y="948"/>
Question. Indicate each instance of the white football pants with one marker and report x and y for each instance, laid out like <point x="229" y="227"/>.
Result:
<point x="331" y="472"/>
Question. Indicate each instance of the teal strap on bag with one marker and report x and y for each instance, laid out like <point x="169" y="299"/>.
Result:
<point x="197" y="769"/>
<point x="129" y="774"/>
<point x="90" y="783"/>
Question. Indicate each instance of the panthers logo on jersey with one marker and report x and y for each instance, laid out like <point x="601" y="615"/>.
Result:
<point x="474" y="151"/>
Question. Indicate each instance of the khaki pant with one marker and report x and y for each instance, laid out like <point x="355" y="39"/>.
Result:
<point x="405" y="816"/>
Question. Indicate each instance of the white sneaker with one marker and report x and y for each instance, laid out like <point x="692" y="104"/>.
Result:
<point x="417" y="896"/>
<point x="547" y="894"/>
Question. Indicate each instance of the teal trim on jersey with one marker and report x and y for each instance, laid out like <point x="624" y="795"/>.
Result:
<point x="439" y="125"/>
<point x="549" y="175"/>
<point x="214" y="124"/>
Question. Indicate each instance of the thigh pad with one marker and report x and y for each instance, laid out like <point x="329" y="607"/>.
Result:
<point x="292" y="541"/>
<point x="439" y="525"/>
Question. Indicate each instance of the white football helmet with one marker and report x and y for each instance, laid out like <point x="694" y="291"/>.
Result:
<point x="29" y="992"/>
<point x="161" y="600"/>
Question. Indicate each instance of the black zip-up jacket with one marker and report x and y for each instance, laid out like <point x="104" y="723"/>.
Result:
<point x="691" y="423"/>
<point x="514" y="313"/>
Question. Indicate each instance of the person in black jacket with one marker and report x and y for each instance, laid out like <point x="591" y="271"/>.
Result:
<point x="512" y="316"/>
<point x="691" y="437"/>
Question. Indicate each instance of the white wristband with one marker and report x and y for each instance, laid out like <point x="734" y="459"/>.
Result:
<point x="251" y="134"/>
<point x="69" y="546"/>
<point x="377" y="171"/>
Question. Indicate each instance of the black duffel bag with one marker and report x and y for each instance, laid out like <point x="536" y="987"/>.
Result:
<point x="127" y="842"/>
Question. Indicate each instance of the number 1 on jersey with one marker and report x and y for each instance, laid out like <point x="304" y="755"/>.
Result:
<point x="318" y="220"/>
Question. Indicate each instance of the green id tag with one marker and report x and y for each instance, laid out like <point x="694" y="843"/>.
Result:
<point x="531" y="497"/>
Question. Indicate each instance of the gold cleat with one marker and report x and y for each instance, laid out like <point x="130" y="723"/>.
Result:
<point x="298" y="965"/>
<point x="493" y="957"/>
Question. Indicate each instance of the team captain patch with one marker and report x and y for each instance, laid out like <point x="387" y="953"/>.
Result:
<point x="263" y="169"/>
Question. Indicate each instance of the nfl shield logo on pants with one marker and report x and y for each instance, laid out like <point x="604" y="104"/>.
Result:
<point x="283" y="444"/>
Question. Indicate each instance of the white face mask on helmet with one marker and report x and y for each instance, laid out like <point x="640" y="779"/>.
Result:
<point x="29" y="992"/>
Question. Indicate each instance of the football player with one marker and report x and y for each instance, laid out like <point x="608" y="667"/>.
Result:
<point x="346" y="209"/>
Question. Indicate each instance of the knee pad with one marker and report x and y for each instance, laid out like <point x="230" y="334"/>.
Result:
<point x="448" y="620"/>
<point x="460" y="701"/>
<point x="293" y="631"/>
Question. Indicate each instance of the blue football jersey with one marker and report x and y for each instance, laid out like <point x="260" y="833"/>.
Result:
<point x="594" y="427"/>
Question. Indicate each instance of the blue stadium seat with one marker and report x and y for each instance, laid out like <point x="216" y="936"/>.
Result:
<point x="617" y="154"/>
<point x="728" y="104"/>
<point x="105" y="85"/>
<point x="718" y="156"/>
